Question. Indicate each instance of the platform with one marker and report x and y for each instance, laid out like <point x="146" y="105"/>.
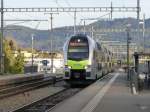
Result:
<point x="111" y="94"/>
<point x="12" y="79"/>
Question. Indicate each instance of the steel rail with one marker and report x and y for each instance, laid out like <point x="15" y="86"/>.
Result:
<point x="49" y="101"/>
<point x="27" y="86"/>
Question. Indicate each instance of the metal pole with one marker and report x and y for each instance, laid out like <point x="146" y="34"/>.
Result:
<point x="92" y="34"/>
<point x="75" y="19"/>
<point x="128" y="41"/>
<point x="111" y="16"/>
<point x="138" y="19"/>
<point x="32" y="51"/>
<point x="84" y="27"/>
<point x="2" y="39"/>
<point x="138" y="9"/>
<point x="117" y="53"/>
<point x="51" y="25"/>
<point x="71" y="9"/>
<point x="51" y="14"/>
<point x="143" y="32"/>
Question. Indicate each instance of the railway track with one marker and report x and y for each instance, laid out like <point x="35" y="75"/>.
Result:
<point x="49" y="102"/>
<point x="10" y="90"/>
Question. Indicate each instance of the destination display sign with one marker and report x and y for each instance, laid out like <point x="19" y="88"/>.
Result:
<point x="77" y="44"/>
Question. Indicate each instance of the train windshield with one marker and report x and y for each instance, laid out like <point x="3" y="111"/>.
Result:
<point x="78" y="49"/>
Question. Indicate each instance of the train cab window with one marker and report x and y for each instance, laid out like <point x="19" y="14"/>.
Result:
<point x="78" y="48"/>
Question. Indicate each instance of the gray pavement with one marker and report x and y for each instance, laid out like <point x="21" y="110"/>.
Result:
<point x="77" y="102"/>
<point x="109" y="95"/>
<point x="120" y="99"/>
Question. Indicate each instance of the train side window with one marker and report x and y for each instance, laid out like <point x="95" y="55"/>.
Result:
<point x="99" y="66"/>
<point x="106" y="64"/>
<point x="94" y="54"/>
<point x="109" y="64"/>
<point x="103" y="64"/>
<point x="108" y="59"/>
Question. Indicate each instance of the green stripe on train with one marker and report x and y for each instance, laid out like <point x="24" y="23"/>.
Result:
<point x="77" y="64"/>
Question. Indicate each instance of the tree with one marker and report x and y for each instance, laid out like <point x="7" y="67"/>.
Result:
<point x="9" y="58"/>
<point x="12" y="43"/>
<point x="19" y="63"/>
<point x="14" y="65"/>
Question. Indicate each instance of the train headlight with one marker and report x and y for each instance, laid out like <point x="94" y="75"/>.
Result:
<point x="67" y="67"/>
<point x="87" y="67"/>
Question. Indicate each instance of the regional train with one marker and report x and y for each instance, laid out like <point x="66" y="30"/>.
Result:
<point x="85" y="60"/>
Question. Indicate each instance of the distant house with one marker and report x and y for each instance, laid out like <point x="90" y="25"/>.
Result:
<point x="26" y="54"/>
<point x="39" y="56"/>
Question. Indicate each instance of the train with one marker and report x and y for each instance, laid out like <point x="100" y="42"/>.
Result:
<point x="85" y="60"/>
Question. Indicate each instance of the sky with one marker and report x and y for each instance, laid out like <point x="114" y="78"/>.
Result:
<point x="66" y="19"/>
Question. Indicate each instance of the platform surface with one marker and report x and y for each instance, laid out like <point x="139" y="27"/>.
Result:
<point x="112" y="94"/>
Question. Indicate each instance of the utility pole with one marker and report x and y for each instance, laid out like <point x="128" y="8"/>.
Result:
<point x="75" y="19"/>
<point x="51" y="26"/>
<point x="111" y="12"/>
<point x="138" y="9"/>
<point x="128" y="42"/>
<point x="92" y="33"/>
<point x="143" y="32"/>
<point x="84" y="27"/>
<point x="32" y="51"/>
<point x="2" y="39"/>
<point x="138" y="19"/>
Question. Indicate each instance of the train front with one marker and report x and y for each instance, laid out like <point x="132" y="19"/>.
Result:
<point x="77" y="68"/>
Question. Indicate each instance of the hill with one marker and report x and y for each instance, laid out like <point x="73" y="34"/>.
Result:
<point x="42" y="38"/>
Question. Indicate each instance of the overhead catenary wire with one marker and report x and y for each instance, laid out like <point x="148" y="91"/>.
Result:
<point x="92" y="19"/>
<point x="56" y="1"/>
<point x="68" y="3"/>
<point x="21" y="21"/>
<point x="74" y="17"/>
